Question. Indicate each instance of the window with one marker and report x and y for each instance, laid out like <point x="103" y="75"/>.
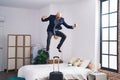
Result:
<point x="109" y="35"/>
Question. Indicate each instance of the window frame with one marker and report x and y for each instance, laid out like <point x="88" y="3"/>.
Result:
<point x="109" y="40"/>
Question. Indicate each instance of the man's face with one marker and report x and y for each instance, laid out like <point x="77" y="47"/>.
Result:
<point x="58" y="15"/>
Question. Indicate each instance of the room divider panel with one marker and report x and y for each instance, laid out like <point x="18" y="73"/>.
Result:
<point x="19" y="51"/>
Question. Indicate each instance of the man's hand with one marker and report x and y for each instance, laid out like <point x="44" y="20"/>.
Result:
<point x="56" y="37"/>
<point x="44" y="17"/>
<point x="74" y="26"/>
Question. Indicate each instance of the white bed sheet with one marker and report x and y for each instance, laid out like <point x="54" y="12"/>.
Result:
<point x="41" y="72"/>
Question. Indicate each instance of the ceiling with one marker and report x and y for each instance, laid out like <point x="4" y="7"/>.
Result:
<point x="34" y="4"/>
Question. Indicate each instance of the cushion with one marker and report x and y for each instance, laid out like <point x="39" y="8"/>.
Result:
<point x="73" y="60"/>
<point x="16" y="78"/>
<point x="85" y="63"/>
<point x="77" y="63"/>
<point x="90" y="66"/>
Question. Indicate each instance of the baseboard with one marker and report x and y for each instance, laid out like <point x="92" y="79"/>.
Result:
<point x="12" y="70"/>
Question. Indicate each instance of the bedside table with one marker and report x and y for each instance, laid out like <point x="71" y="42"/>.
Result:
<point x="97" y="76"/>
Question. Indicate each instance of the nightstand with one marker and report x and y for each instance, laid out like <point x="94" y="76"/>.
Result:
<point x="97" y="76"/>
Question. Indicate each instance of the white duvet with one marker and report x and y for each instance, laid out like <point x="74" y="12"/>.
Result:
<point x="41" y="72"/>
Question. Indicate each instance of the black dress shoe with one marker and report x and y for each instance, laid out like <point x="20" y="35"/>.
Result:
<point x="59" y="50"/>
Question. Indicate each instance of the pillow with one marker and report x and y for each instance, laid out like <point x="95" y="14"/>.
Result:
<point x="90" y="66"/>
<point x="73" y="60"/>
<point x="77" y="63"/>
<point x="85" y="63"/>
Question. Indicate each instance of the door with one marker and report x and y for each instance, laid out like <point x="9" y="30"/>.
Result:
<point x="1" y="43"/>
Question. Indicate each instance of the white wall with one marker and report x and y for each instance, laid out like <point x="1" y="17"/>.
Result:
<point x="43" y="26"/>
<point x="20" y="21"/>
<point x="84" y="35"/>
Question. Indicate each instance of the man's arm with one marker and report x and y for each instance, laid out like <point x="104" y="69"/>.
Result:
<point x="45" y="18"/>
<point x="69" y="26"/>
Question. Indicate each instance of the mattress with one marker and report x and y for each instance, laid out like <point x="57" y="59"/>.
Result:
<point x="41" y="72"/>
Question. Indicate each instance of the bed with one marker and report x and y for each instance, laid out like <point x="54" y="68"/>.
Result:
<point x="41" y="72"/>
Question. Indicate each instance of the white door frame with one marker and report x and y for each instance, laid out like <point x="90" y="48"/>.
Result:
<point x="1" y="43"/>
<point x="1" y="59"/>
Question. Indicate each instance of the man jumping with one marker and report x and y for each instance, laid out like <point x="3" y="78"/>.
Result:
<point x="55" y="22"/>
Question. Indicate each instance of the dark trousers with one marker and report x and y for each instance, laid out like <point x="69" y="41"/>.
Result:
<point x="58" y="33"/>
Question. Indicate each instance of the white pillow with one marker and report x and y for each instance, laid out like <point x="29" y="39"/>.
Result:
<point x="85" y="63"/>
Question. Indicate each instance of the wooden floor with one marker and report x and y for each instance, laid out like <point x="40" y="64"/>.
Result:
<point x="5" y="76"/>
